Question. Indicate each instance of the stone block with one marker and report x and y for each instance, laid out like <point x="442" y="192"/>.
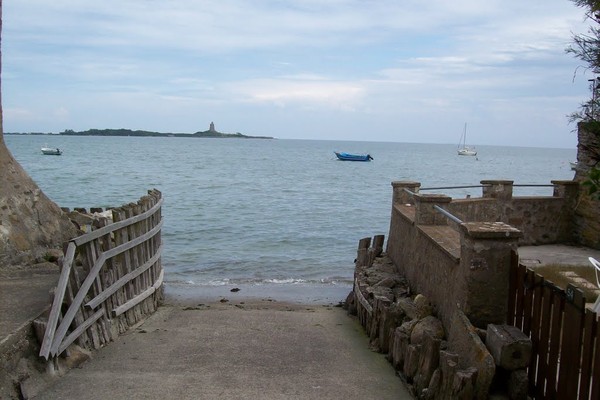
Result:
<point x="510" y="348"/>
<point x="517" y="385"/>
<point x="408" y="307"/>
<point x="400" y="342"/>
<point x="463" y="339"/>
<point x="411" y="363"/>
<point x="423" y="306"/>
<point x="427" y="326"/>
<point x="428" y="363"/>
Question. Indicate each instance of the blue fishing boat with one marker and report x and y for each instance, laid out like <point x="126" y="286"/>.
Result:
<point x="352" y="157"/>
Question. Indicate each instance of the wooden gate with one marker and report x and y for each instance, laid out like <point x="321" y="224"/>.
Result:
<point x="565" y="363"/>
<point x="111" y="278"/>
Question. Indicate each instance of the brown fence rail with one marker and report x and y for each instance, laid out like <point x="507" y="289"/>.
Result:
<point x="565" y="336"/>
<point x="110" y="278"/>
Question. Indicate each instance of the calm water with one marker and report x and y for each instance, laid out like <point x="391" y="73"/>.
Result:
<point x="269" y="216"/>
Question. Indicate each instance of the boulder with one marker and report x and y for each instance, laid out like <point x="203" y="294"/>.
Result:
<point x="427" y="326"/>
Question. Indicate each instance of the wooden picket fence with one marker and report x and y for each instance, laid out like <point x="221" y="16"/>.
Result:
<point x="111" y="278"/>
<point x="565" y="336"/>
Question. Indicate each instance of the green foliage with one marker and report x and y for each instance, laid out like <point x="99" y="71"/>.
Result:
<point x="593" y="182"/>
<point x="586" y="47"/>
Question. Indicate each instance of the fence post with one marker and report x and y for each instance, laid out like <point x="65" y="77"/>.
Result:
<point x="485" y="261"/>
<point x="426" y="213"/>
<point x="497" y="189"/>
<point x="566" y="189"/>
<point x="399" y="194"/>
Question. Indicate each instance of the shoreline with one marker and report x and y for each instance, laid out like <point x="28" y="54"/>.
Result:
<point x="293" y="294"/>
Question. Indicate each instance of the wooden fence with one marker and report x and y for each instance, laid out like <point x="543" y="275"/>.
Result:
<point x="111" y="278"/>
<point x="565" y="336"/>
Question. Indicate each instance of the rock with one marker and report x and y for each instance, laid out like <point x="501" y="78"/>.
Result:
<point x="509" y="346"/>
<point x="428" y="362"/>
<point x="411" y="363"/>
<point x="427" y="326"/>
<point x="408" y="306"/>
<point x="388" y="282"/>
<point x="83" y="221"/>
<point x="517" y="385"/>
<point x="398" y="348"/>
<point x="54" y="255"/>
<point x="75" y="358"/>
<point x="423" y="306"/>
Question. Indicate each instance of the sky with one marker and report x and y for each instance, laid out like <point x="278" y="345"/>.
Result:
<point x="359" y="70"/>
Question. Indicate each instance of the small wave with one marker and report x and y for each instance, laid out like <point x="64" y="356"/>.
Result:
<point x="285" y="281"/>
<point x="262" y="281"/>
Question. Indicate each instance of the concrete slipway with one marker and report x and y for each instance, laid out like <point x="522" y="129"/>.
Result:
<point x="253" y="349"/>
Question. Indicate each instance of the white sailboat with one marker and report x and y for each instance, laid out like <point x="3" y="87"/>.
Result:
<point x="463" y="149"/>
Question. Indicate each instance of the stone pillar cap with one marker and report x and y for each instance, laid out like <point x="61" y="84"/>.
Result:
<point x="566" y="183"/>
<point x="496" y="181"/>
<point x="432" y="198"/>
<point x="490" y="230"/>
<point x="406" y="183"/>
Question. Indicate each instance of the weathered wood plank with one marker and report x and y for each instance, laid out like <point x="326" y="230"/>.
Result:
<point x="123" y="281"/>
<point x="595" y="386"/>
<point x="520" y="296"/>
<point x="528" y="301"/>
<point x="361" y="298"/>
<point x="140" y="297"/>
<point x="85" y="286"/>
<point x="59" y="294"/>
<point x="544" y="342"/>
<point x="570" y="350"/>
<point x="145" y="223"/>
<point x="587" y="353"/>
<point x="79" y="330"/>
<point x="88" y="237"/>
<point x="558" y="305"/>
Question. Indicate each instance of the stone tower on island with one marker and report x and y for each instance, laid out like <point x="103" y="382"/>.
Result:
<point x="212" y="127"/>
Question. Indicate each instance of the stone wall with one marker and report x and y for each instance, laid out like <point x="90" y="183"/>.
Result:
<point x="587" y="213"/>
<point x="541" y="219"/>
<point x="459" y="266"/>
<point x="436" y="361"/>
<point x="461" y="260"/>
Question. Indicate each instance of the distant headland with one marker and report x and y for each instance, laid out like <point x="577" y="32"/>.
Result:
<point x="210" y="133"/>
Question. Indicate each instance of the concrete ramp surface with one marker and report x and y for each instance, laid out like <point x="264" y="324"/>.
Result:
<point x="259" y="350"/>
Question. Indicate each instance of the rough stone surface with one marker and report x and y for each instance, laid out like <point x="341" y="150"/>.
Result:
<point x="509" y="346"/>
<point x="517" y="385"/>
<point x="30" y="223"/>
<point x="587" y="212"/>
<point x="428" y="326"/>
<point x="407" y="330"/>
<point x="423" y="306"/>
<point x="463" y="338"/>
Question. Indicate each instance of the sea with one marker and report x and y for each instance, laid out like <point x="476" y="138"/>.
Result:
<point x="277" y="219"/>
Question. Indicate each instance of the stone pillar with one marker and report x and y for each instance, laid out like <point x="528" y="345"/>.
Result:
<point x="497" y="189"/>
<point x="425" y="213"/>
<point x="568" y="192"/>
<point x="400" y="195"/>
<point x="485" y="261"/>
<point x="566" y="189"/>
